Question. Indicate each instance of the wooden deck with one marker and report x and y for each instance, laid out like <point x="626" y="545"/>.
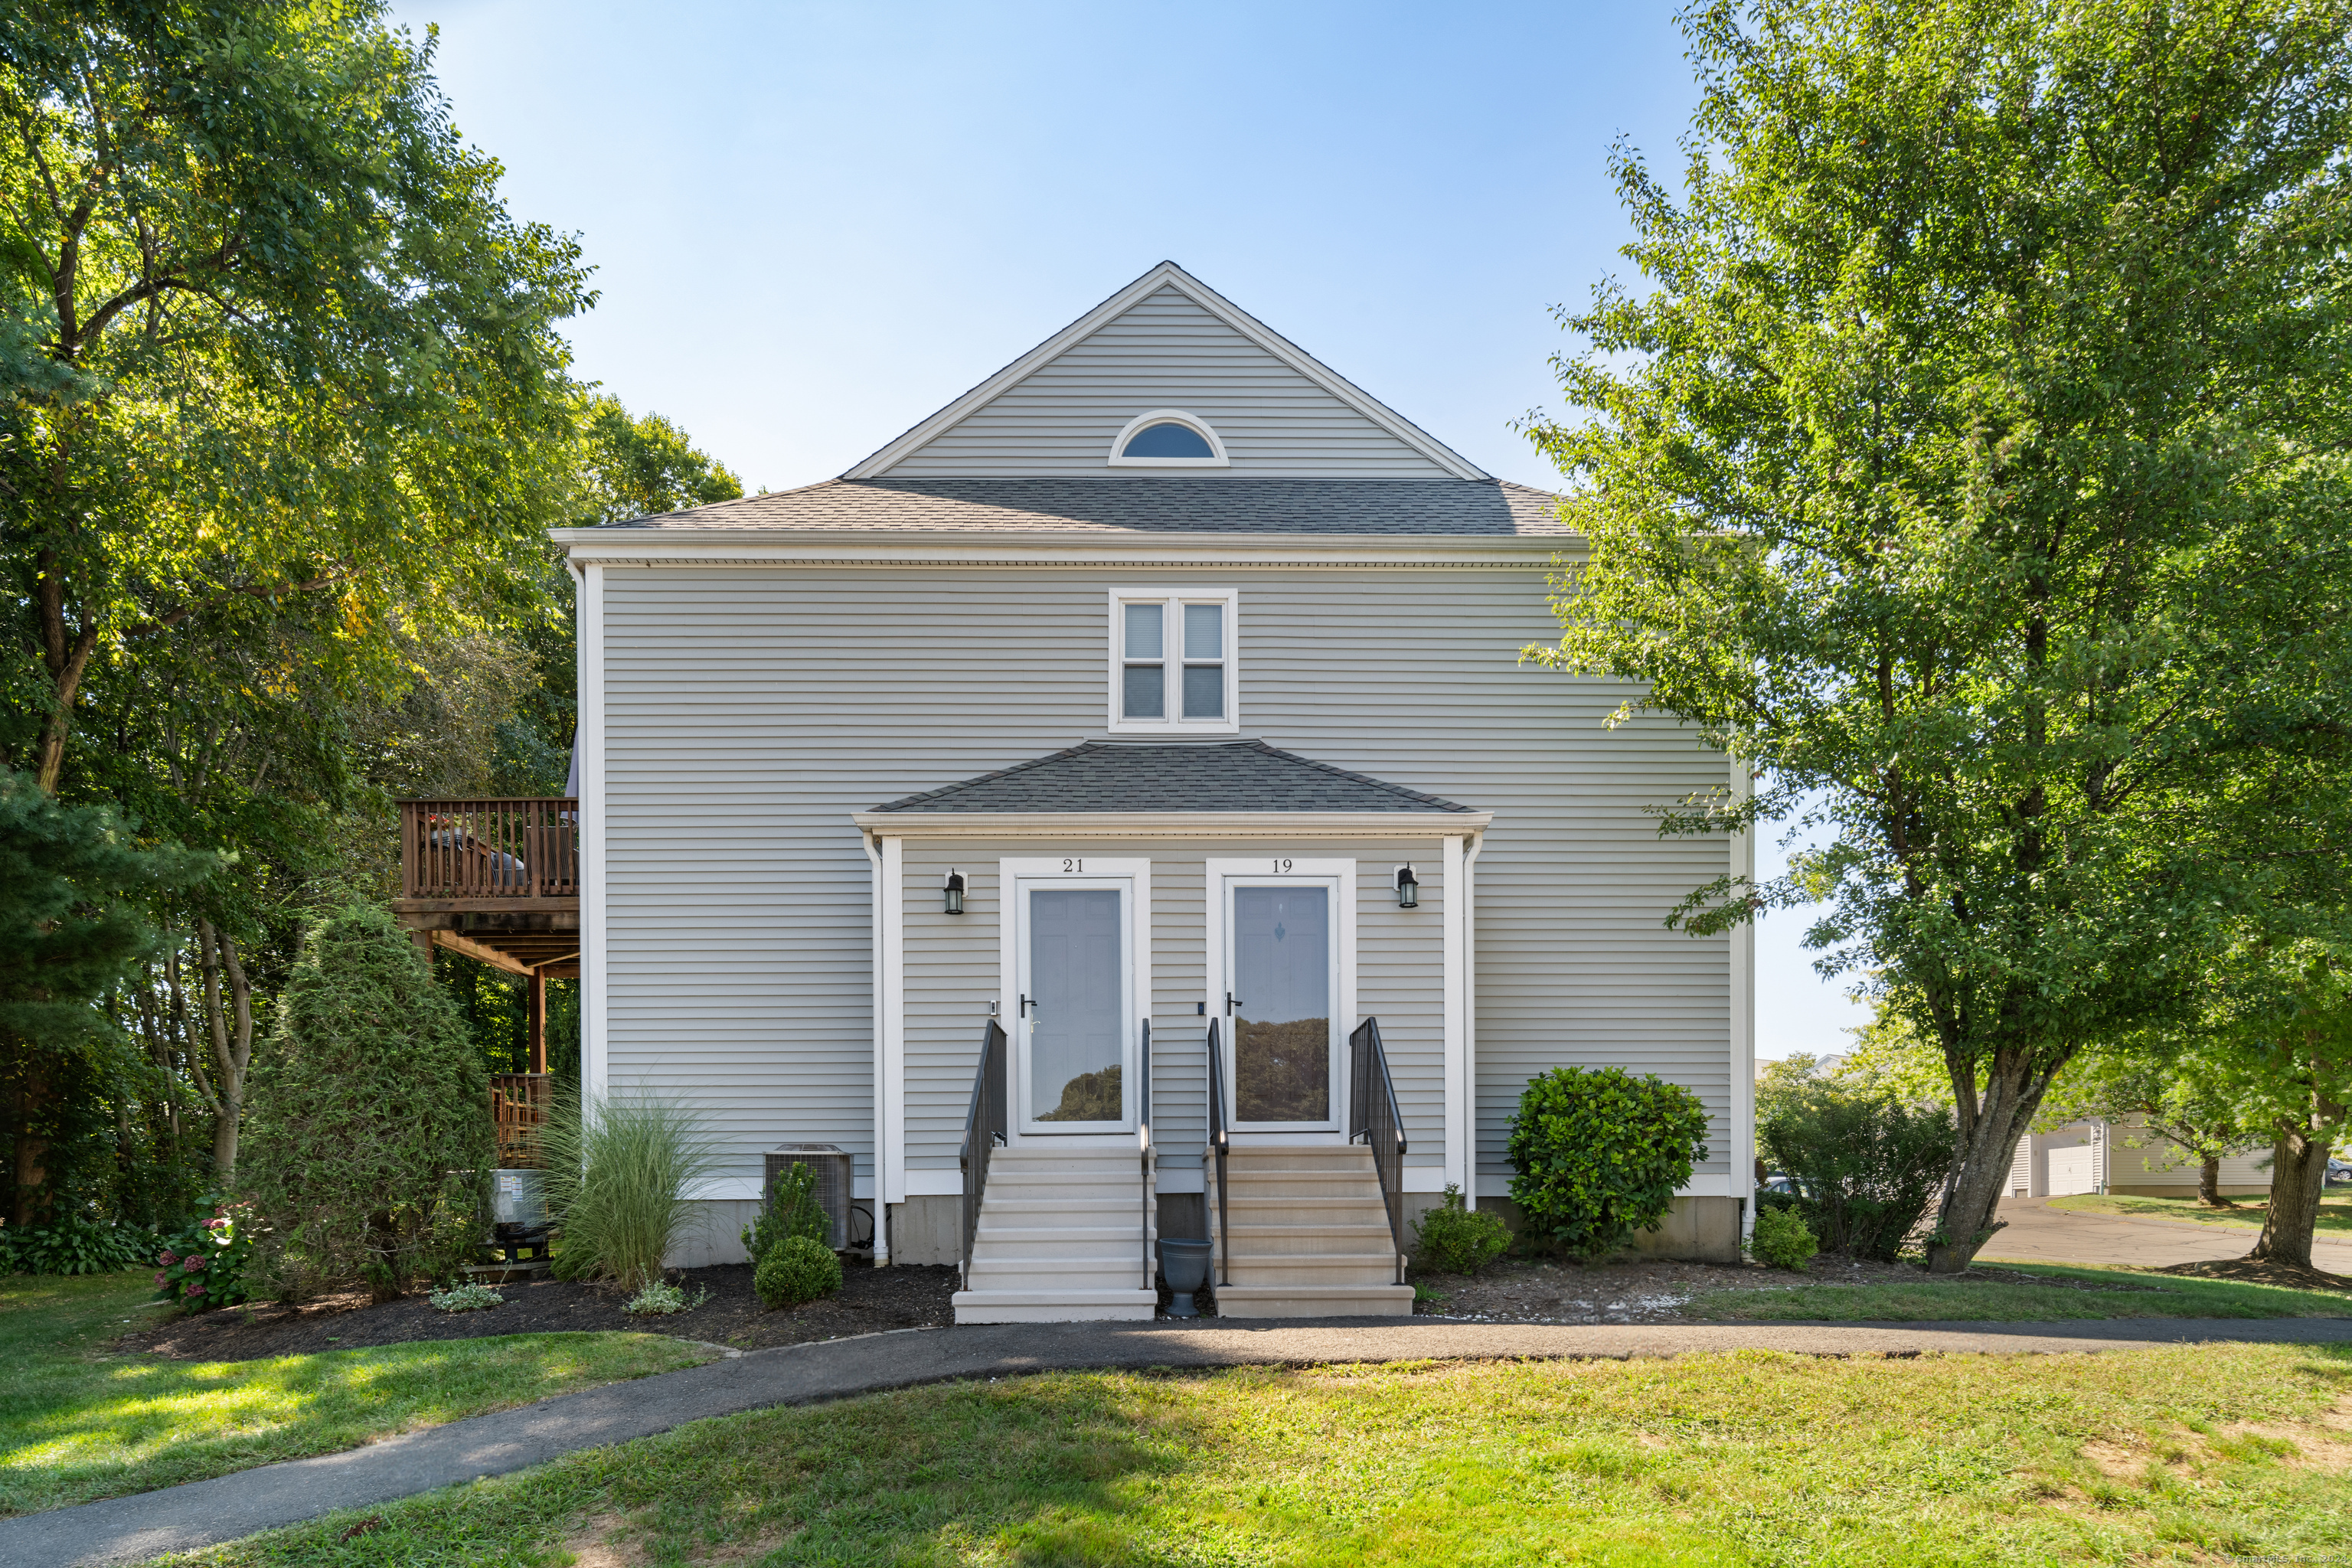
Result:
<point x="498" y="881"/>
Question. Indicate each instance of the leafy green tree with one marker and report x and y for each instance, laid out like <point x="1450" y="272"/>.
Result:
<point x="2282" y="1056"/>
<point x="1974" y="455"/>
<point x="370" y="1139"/>
<point x="270" y="335"/>
<point x="2178" y="1094"/>
<point x="73" y="884"/>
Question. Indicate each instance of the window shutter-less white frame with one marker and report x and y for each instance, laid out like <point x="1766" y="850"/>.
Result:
<point x="1172" y="661"/>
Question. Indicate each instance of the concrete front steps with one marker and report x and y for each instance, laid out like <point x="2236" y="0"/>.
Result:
<point x="1062" y="1239"/>
<point x="1308" y="1233"/>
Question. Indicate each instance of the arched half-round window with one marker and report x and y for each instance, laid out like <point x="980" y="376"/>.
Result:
<point x="1167" y="438"/>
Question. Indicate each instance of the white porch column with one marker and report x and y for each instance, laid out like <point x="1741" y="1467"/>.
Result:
<point x="1461" y="1152"/>
<point x="890" y="1001"/>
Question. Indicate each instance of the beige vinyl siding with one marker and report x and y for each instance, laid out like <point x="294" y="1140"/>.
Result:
<point x="1166" y="353"/>
<point x="750" y="709"/>
<point x="953" y="973"/>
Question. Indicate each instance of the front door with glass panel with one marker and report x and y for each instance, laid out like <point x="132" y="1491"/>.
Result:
<point x="1072" y="944"/>
<point x="1282" y="1000"/>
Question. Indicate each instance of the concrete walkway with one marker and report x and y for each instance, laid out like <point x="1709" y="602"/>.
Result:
<point x="2037" y="1233"/>
<point x="180" y="1518"/>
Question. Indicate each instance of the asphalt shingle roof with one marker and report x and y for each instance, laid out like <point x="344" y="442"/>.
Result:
<point x="1132" y="505"/>
<point x="1185" y="775"/>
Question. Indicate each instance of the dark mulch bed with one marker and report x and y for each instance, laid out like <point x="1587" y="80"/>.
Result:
<point x="2261" y="1271"/>
<point x="871" y="1299"/>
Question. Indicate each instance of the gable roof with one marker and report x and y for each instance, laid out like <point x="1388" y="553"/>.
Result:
<point x="1129" y="776"/>
<point x="1083" y="394"/>
<point x="1114" y="507"/>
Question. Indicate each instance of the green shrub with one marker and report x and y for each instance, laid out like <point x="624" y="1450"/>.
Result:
<point x="78" y="1243"/>
<point x="661" y="1300"/>
<point x="793" y="1210"/>
<point x="206" y="1263"/>
<point x="617" y="1174"/>
<point x="1455" y="1238"/>
<point x="369" y="1136"/>
<point x="1599" y="1154"/>
<point x="799" y="1270"/>
<point x="1781" y="1240"/>
<point x="469" y="1297"/>
<point x="1867" y="1164"/>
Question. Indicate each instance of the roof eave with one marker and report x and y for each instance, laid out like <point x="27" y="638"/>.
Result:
<point x="1171" y="824"/>
<point x="1105" y="545"/>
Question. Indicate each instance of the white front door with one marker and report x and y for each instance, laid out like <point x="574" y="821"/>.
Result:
<point x="1285" y="985"/>
<point x="1071" y="958"/>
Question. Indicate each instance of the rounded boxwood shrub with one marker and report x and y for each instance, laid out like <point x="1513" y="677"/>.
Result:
<point x="1598" y="1154"/>
<point x="1781" y="1240"/>
<point x="1455" y="1238"/>
<point x="797" y="1269"/>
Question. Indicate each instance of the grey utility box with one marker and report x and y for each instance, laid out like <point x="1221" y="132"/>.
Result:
<point x="833" y="1166"/>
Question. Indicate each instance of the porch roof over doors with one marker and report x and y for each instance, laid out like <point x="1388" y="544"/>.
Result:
<point x="1185" y="787"/>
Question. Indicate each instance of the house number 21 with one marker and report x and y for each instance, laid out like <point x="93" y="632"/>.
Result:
<point x="1068" y="865"/>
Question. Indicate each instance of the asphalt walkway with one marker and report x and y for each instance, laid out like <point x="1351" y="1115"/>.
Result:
<point x="180" y="1518"/>
<point x="2036" y="1233"/>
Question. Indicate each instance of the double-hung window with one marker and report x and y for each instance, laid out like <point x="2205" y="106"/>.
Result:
<point x="1172" y="660"/>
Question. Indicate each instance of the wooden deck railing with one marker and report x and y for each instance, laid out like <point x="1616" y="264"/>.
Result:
<point x="490" y="849"/>
<point x="518" y="1102"/>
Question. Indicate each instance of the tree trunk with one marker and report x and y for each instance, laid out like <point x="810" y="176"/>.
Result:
<point x="1988" y="1149"/>
<point x="232" y="1042"/>
<point x="28" y="1097"/>
<point x="2298" y="1173"/>
<point x="2208" y="1183"/>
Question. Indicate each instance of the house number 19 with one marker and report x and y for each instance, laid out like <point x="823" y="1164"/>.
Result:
<point x="1280" y="867"/>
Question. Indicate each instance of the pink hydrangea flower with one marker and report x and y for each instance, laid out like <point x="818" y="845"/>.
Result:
<point x="194" y="1265"/>
<point x="159" y="1278"/>
<point x="168" y="1259"/>
<point x="195" y="1290"/>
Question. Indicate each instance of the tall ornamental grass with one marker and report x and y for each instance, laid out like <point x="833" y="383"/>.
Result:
<point x="618" y="1172"/>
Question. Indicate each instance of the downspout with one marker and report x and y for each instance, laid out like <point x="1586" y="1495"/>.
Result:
<point x="874" y="925"/>
<point x="1470" y="1009"/>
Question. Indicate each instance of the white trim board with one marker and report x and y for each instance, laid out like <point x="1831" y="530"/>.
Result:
<point x="1166" y="275"/>
<point x="595" y="970"/>
<point x="890" y="1001"/>
<point x="1030" y="551"/>
<point x="1100" y="825"/>
<point x="1459" y="1166"/>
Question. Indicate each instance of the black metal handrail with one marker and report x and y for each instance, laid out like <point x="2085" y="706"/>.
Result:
<point x="1143" y="1145"/>
<point x="983" y="1131"/>
<point x="1374" y="1118"/>
<point x="1218" y="1141"/>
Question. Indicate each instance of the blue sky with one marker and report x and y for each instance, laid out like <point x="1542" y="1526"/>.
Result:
<point x="814" y="223"/>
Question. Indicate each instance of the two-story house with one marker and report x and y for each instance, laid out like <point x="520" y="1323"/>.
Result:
<point x="1157" y="701"/>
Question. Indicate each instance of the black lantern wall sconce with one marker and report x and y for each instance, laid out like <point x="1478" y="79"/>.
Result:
<point x="1408" y="888"/>
<point x="955" y="892"/>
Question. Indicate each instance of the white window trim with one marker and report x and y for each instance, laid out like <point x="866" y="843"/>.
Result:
<point x="1258" y="870"/>
<point x="1078" y="868"/>
<point x="1171" y="650"/>
<point x="1192" y="422"/>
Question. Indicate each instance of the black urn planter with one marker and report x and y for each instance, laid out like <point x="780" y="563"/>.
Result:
<point x="1184" y="1264"/>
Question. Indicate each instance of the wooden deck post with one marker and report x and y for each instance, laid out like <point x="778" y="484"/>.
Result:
<point x="537" y="1020"/>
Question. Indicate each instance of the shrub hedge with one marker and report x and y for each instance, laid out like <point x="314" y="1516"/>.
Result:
<point x="1598" y="1154"/>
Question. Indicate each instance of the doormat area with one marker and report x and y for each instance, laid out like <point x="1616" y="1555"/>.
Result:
<point x="871" y="1299"/>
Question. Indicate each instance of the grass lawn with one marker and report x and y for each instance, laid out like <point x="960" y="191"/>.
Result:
<point x="2192" y="1454"/>
<point x="77" y="1423"/>
<point x="2335" y="1211"/>
<point x="2071" y="1293"/>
